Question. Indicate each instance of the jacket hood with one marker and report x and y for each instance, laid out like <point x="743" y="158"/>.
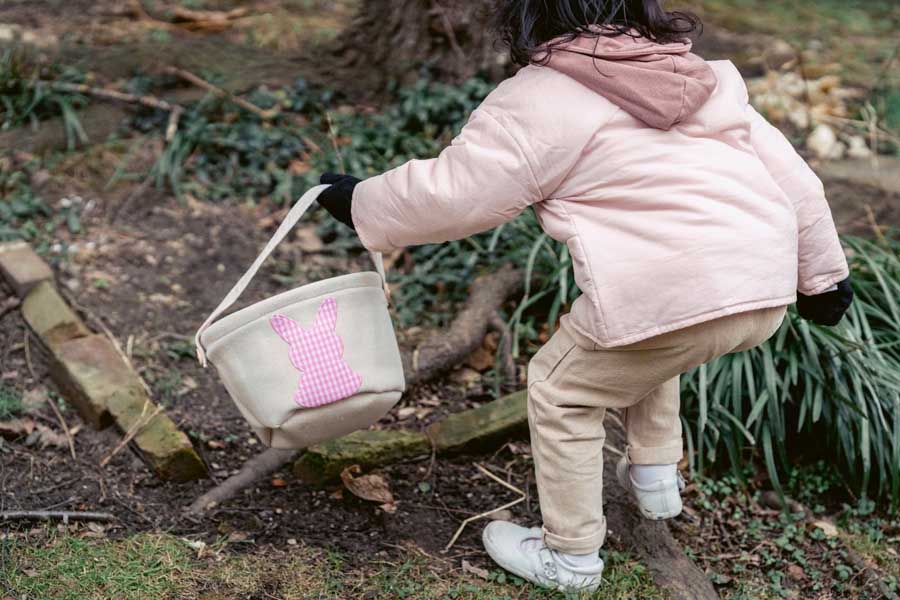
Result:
<point x="660" y="84"/>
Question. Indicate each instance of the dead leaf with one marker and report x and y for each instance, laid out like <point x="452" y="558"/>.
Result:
<point x="308" y="240"/>
<point x="298" y="167"/>
<point x="520" y="448"/>
<point x="413" y="411"/>
<point x="237" y="536"/>
<point x="34" y="400"/>
<point x="466" y="377"/>
<point x="16" y="428"/>
<point x="468" y="567"/>
<point x="406" y="412"/>
<point x="828" y="528"/>
<point x="430" y="401"/>
<point x="372" y="487"/>
<point x="50" y="437"/>
<point x="480" y="360"/>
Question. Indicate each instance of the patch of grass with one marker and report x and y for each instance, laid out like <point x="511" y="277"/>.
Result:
<point x="64" y="567"/>
<point x="10" y="402"/>
<point x="72" y="568"/>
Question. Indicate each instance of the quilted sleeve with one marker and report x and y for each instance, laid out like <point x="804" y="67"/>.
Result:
<point x="483" y="179"/>
<point x="822" y="262"/>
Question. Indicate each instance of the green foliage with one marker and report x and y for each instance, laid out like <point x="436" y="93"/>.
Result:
<point x="762" y="549"/>
<point x="221" y="152"/>
<point x="25" y="216"/>
<point x="839" y="386"/>
<point x="20" y="208"/>
<point x="26" y="98"/>
<point x="10" y="402"/>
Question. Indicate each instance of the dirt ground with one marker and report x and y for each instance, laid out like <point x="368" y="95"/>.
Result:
<point x="150" y="270"/>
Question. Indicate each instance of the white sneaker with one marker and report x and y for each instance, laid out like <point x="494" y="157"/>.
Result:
<point x="521" y="551"/>
<point x="656" y="501"/>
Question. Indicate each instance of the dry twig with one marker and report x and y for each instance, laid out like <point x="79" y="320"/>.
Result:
<point x="264" y="114"/>
<point x="64" y="425"/>
<point x="332" y="135"/>
<point x="108" y="94"/>
<point x="135" y="429"/>
<point x="490" y="512"/>
<point x="510" y="380"/>
<point x="28" y="363"/>
<point x="48" y="515"/>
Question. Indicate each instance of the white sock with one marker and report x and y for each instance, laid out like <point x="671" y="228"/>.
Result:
<point x="650" y="474"/>
<point x="580" y="560"/>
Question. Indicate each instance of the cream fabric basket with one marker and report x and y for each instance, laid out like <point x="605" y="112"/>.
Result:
<point x="311" y="364"/>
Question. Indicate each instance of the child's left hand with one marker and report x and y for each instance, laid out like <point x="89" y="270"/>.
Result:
<point x="827" y="308"/>
<point x="338" y="199"/>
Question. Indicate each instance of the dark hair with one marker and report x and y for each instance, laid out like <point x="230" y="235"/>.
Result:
<point x="527" y="26"/>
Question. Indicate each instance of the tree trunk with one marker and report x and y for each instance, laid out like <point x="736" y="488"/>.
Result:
<point x="394" y="39"/>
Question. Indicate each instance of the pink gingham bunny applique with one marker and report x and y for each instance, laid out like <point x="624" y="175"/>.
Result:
<point x="318" y="354"/>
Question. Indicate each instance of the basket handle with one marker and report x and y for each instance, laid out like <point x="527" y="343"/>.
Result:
<point x="293" y="216"/>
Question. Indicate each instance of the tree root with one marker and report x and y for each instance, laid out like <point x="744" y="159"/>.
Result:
<point x="652" y="541"/>
<point x="253" y="470"/>
<point x="449" y="348"/>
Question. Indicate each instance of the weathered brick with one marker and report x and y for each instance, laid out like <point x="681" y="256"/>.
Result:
<point x="91" y="374"/>
<point x="22" y="268"/>
<point x="165" y="447"/>
<point x="105" y="390"/>
<point x="481" y="428"/>
<point x="324" y="462"/>
<point x="47" y="313"/>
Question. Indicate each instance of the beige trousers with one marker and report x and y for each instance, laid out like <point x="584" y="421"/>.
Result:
<point x="571" y="383"/>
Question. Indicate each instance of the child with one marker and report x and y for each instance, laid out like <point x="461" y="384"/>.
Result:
<point x="691" y="221"/>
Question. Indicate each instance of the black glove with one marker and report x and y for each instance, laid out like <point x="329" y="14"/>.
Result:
<point x="338" y="199"/>
<point x="827" y="308"/>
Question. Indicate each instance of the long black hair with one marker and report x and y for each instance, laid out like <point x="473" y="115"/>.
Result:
<point x="528" y="26"/>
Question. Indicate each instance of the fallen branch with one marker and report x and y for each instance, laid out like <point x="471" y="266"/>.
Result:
<point x="264" y="114"/>
<point x="108" y="94"/>
<point x="49" y="515"/>
<point x="193" y="20"/>
<point x="652" y="541"/>
<point x="432" y="357"/>
<point x="254" y="469"/>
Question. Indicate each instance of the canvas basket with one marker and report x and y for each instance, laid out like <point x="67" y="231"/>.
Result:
<point x="312" y="364"/>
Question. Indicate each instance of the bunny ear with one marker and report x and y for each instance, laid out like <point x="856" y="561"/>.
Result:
<point x="327" y="316"/>
<point x="285" y="327"/>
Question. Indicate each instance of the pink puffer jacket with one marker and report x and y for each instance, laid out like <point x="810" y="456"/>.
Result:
<point x="678" y="202"/>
